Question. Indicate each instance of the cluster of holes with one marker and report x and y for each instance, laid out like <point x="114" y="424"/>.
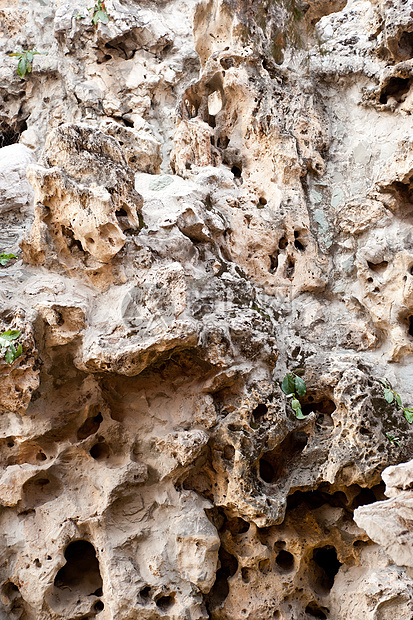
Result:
<point x="299" y="244"/>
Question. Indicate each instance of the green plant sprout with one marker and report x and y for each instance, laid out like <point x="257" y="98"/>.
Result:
<point x="25" y="64"/>
<point x="391" y="396"/>
<point x="294" y="386"/>
<point x="393" y="439"/>
<point x="6" y="343"/>
<point x="5" y="258"/>
<point x="100" y="13"/>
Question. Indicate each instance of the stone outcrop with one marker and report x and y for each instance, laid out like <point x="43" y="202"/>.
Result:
<point x="198" y="198"/>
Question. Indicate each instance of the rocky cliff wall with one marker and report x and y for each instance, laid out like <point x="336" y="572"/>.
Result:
<point x="201" y="197"/>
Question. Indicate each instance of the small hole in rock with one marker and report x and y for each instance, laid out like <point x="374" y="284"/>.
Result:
<point x="299" y="245"/>
<point x="283" y="242"/>
<point x="325" y="558"/>
<point x="99" y="451"/>
<point x="366" y="496"/>
<point x="98" y="592"/>
<point x="262" y="201"/>
<point x="81" y="572"/>
<point x="246" y="575"/>
<point x="285" y="560"/>
<point x="378" y="267"/>
<point x="259" y="412"/>
<point x="237" y="526"/>
<point x="236" y="172"/>
<point x="273" y="263"/>
<point x="229" y="452"/>
<point x="289" y="268"/>
<point x="397" y="88"/>
<point x="90" y="426"/>
<point x="145" y="592"/>
<point x="40" y="456"/>
<point x="165" y="602"/>
<point x="98" y="606"/>
<point x="315" y="611"/>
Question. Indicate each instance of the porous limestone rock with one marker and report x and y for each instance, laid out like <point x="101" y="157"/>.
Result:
<point x="218" y="192"/>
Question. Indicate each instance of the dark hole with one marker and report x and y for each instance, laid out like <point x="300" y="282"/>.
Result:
<point x="246" y="575"/>
<point x="264" y="566"/>
<point x="406" y="45"/>
<point x="98" y="592"/>
<point x="266" y="471"/>
<point x="411" y="325"/>
<point x="99" y="451"/>
<point x="89" y="427"/>
<point x="366" y="496"/>
<point x="285" y="560"/>
<point x="259" y="412"/>
<point x="236" y="172"/>
<point x="10" y="444"/>
<point x="237" y="526"/>
<point x="81" y="571"/>
<point x="222" y="142"/>
<point x="145" y="592"/>
<point x="396" y="87"/>
<point x="378" y="267"/>
<point x="40" y="456"/>
<point x="229" y="452"/>
<point x="289" y="268"/>
<point x="296" y="234"/>
<point x="326" y="559"/>
<point x="282" y="244"/>
<point x="127" y="122"/>
<point x="299" y="245"/>
<point x="220" y="589"/>
<point x="262" y="201"/>
<point x="273" y="263"/>
<point x="165" y="602"/>
<point x="98" y="606"/>
<point x="323" y="406"/>
<point x="10" y="134"/>
<point x="121" y="213"/>
<point x="273" y="465"/>
<point x="211" y="121"/>
<point x="315" y="611"/>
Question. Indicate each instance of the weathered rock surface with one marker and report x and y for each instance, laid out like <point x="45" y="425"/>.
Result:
<point x="204" y="196"/>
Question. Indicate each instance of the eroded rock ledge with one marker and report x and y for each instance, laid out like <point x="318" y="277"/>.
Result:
<point x="202" y="196"/>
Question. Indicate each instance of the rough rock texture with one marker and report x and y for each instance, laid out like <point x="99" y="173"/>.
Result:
<point x="202" y="196"/>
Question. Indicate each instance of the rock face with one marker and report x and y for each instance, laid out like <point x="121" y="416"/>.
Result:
<point x="201" y="197"/>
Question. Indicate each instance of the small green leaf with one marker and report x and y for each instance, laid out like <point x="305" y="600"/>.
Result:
<point x="300" y="386"/>
<point x="297" y="409"/>
<point x="30" y="56"/>
<point x="388" y="395"/>
<point x="21" y="67"/>
<point x="103" y="16"/>
<point x="9" y="357"/>
<point x="12" y="334"/>
<point x="5" y="258"/>
<point x="399" y="400"/>
<point x="288" y="384"/>
<point x="408" y="414"/>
